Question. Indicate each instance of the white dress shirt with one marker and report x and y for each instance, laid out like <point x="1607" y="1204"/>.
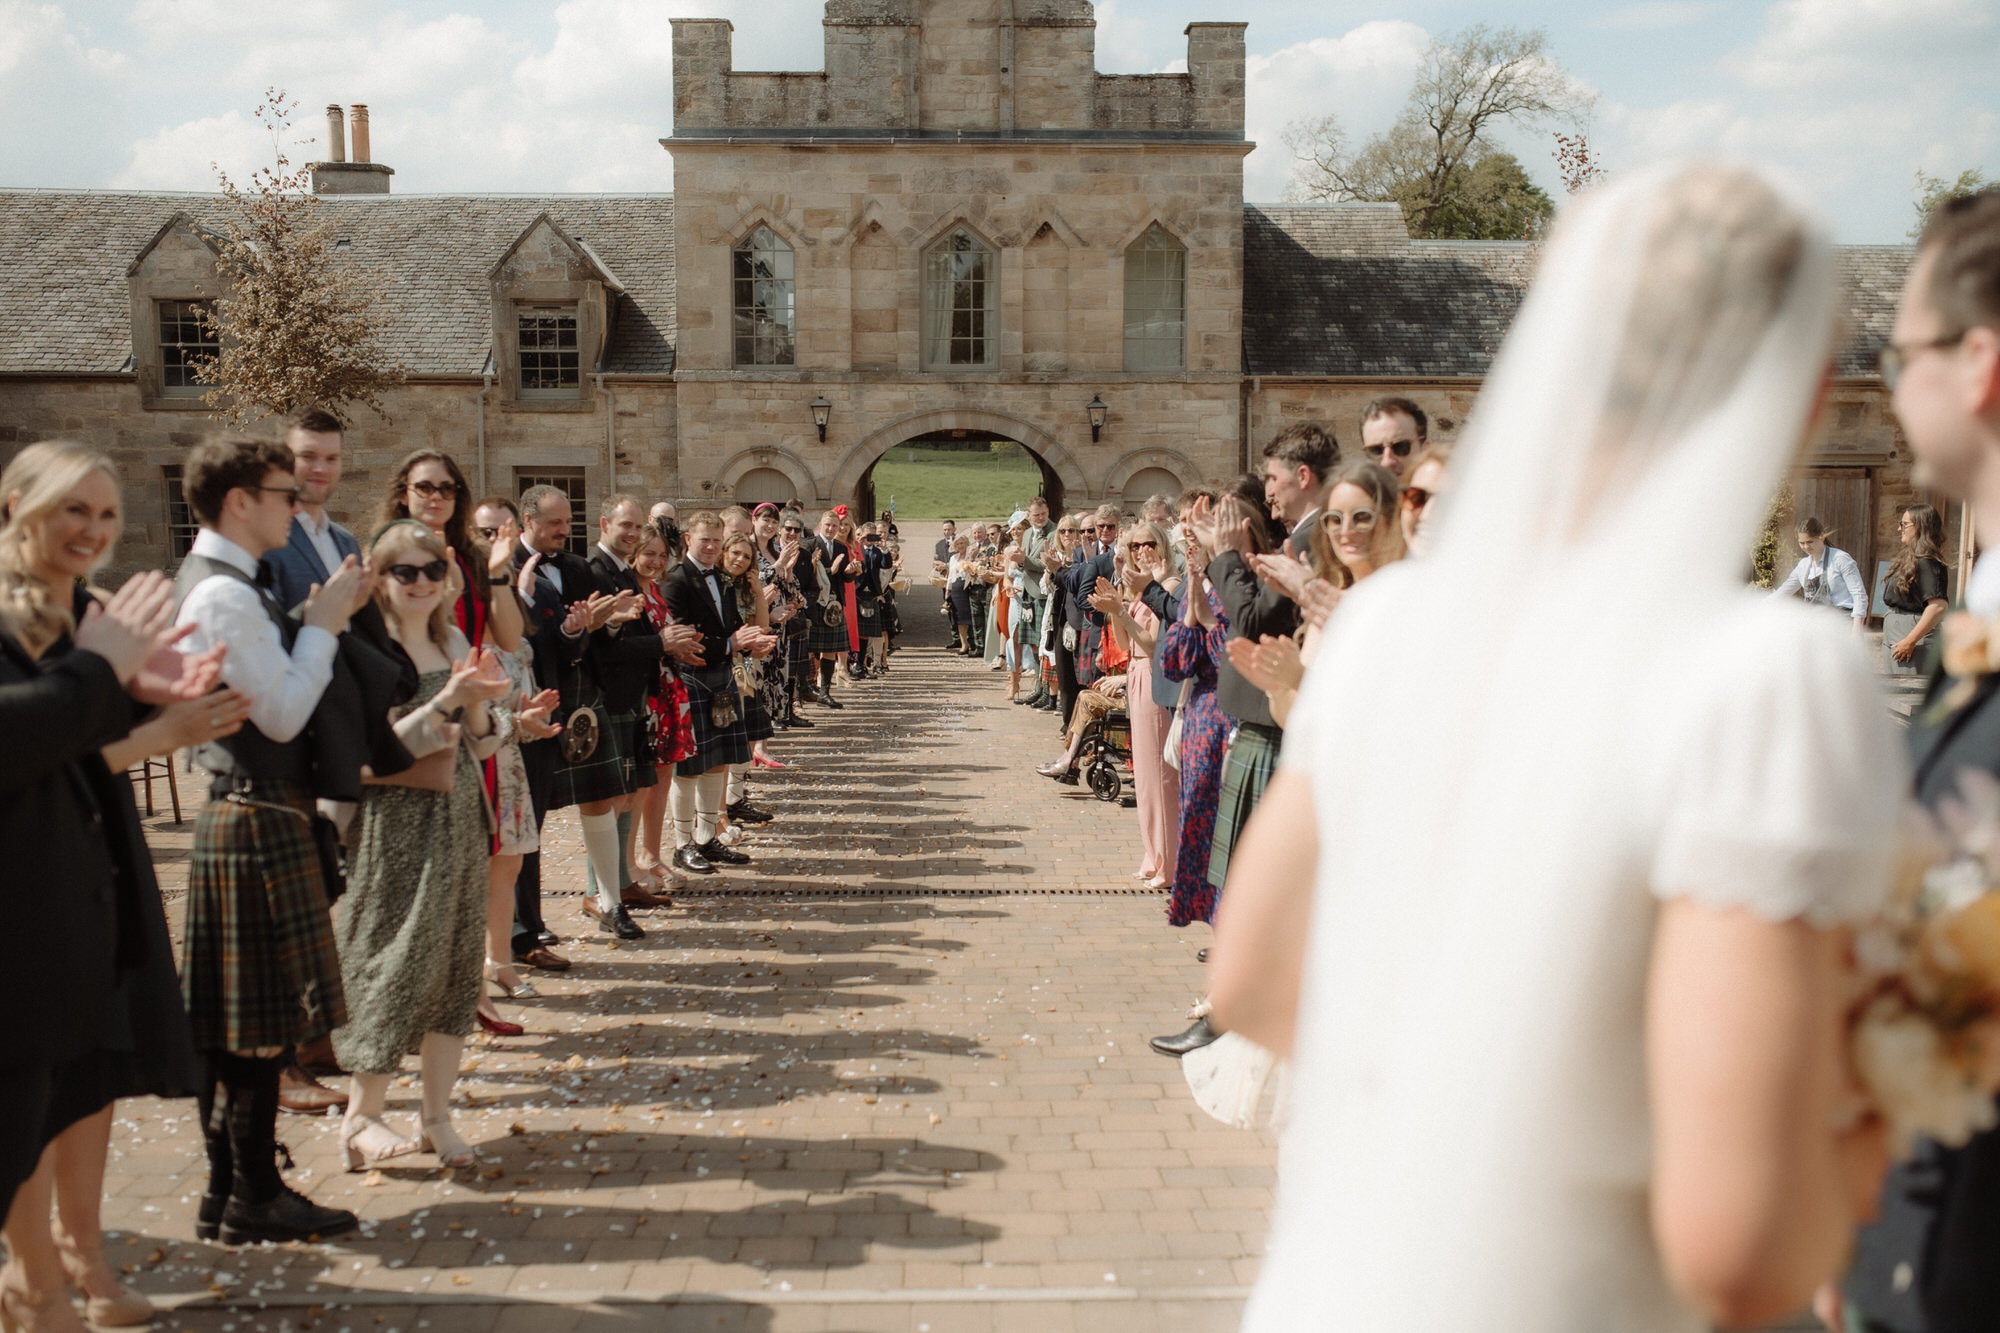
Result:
<point x="283" y="687"/>
<point x="1845" y="586"/>
<point x="547" y="568"/>
<point x="617" y="562"/>
<point x="710" y="582"/>
<point x="321" y="537"/>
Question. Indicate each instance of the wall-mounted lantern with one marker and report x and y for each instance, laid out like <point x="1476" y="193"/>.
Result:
<point x="1098" y="412"/>
<point x="822" y="410"/>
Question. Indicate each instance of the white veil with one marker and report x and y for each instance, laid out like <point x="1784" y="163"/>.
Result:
<point x="1468" y="1074"/>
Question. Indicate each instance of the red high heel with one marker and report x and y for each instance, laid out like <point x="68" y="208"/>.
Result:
<point x="759" y="761"/>
<point x="500" y="1027"/>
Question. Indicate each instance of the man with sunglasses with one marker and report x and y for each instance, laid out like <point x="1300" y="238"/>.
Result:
<point x="1394" y="432"/>
<point x="1075" y="580"/>
<point x="1927" y="1266"/>
<point x="259" y="967"/>
<point x="316" y="544"/>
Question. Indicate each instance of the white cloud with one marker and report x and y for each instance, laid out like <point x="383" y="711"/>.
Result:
<point x="185" y="156"/>
<point x="1848" y="44"/>
<point x="1362" y="77"/>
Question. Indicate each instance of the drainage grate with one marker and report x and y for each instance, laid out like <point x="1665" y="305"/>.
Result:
<point x="835" y="891"/>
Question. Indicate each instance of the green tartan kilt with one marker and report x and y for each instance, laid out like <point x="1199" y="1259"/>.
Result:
<point x="1246" y="771"/>
<point x="258" y="965"/>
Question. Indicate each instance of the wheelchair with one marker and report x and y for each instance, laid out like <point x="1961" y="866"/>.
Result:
<point x="1107" y="742"/>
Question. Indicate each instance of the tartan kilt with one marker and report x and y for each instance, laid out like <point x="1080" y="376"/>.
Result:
<point x="824" y="639"/>
<point x="258" y="964"/>
<point x="713" y="745"/>
<point x="1246" y="771"/>
<point x="612" y="769"/>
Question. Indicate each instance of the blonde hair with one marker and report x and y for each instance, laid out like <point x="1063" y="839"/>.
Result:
<point x="393" y="537"/>
<point x="34" y="485"/>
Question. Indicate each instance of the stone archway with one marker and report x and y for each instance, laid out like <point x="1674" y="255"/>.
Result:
<point x="762" y="459"/>
<point x="1061" y="474"/>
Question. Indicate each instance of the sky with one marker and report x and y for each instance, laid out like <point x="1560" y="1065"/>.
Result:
<point x="1849" y="98"/>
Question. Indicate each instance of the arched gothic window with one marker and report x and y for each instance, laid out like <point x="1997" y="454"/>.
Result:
<point x="961" y="303"/>
<point x="764" y="316"/>
<point x="1155" y="302"/>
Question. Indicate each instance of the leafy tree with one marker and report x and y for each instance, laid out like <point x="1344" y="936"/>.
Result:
<point x="295" y="328"/>
<point x="1438" y="161"/>
<point x="1934" y="191"/>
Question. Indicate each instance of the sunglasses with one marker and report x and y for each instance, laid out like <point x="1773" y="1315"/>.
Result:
<point x="1416" y="497"/>
<point x="870" y="541"/>
<point x="490" y="534"/>
<point x="291" y="493"/>
<point x="796" y="532"/>
<point x="408" y="574"/>
<point x="1400" y="448"/>
<point x="432" y="490"/>
<point x="1145" y="546"/>
<point x="1361" y="520"/>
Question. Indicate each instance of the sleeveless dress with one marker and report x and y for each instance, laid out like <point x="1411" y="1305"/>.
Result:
<point x="1158" y="787"/>
<point x="412" y="925"/>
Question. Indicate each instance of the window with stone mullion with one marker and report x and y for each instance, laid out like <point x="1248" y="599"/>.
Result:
<point x="550" y="363"/>
<point x="1155" y="302"/>
<point x="187" y="343"/>
<point x="959" y="324"/>
<point x="763" y="299"/>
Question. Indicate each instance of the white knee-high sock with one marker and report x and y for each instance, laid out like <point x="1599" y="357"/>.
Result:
<point x="739" y="783"/>
<point x="680" y="804"/>
<point x="592" y="884"/>
<point x="600" y="849"/>
<point x="439" y="1056"/>
<point x="708" y="794"/>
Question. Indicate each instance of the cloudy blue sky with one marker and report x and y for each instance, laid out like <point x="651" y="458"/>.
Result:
<point x="1850" y="96"/>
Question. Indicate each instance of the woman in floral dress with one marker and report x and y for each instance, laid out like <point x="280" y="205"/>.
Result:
<point x="1192" y="649"/>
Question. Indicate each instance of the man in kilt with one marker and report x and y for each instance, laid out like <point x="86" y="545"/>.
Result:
<point x="627" y="653"/>
<point x="259" y="970"/>
<point x="696" y="595"/>
<point x="827" y="641"/>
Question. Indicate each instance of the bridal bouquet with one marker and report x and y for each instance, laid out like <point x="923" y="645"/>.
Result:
<point x="1925" y="1018"/>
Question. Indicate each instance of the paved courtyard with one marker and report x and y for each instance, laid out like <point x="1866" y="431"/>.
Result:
<point x="893" y="1075"/>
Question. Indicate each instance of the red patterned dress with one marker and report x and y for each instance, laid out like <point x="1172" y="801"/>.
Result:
<point x="669" y="703"/>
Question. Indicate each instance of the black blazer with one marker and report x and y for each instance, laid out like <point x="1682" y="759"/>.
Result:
<point x="627" y="656"/>
<point x="1940" y="1216"/>
<point x="61" y="887"/>
<point x="689" y="602"/>
<point x="1254" y="611"/>
<point x="557" y="655"/>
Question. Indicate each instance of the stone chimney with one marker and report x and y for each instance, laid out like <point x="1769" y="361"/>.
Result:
<point x="337" y="175"/>
<point x="336" y="134"/>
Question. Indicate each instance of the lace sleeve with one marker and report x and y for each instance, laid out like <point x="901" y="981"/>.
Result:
<point x="1786" y="780"/>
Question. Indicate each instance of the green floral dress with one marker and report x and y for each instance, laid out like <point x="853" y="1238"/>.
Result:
<point x="412" y="926"/>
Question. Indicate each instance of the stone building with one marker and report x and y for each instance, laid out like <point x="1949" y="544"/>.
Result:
<point x="958" y="228"/>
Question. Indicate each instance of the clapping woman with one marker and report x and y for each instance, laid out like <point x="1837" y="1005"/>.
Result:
<point x="110" y="1021"/>
<point x="1144" y="554"/>
<point x="412" y="926"/>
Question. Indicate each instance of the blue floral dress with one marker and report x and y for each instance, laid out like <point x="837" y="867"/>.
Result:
<point x="1197" y="655"/>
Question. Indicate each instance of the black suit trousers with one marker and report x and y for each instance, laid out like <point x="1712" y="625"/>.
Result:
<point x="539" y="758"/>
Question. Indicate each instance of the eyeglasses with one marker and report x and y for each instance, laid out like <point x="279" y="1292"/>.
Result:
<point x="1416" y="497"/>
<point x="1143" y="546"/>
<point x="1895" y="358"/>
<point x="408" y="574"/>
<point x="795" y="531"/>
<point x="1400" y="448"/>
<point x="432" y="490"/>
<point x="291" y="493"/>
<point x="490" y="534"/>
<point x="870" y="541"/>
<point x="1361" y="520"/>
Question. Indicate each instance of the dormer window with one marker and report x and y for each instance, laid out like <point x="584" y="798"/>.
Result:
<point x="550" y="364"/>
<point x="187" y="344"/>
<point x="763" y="296"/>
<point x="961" y="303"/>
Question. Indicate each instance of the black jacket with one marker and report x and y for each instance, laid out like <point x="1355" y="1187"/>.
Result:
<point x="558" y="657"/>
<point x="1940" y="1213"/>
<point x="690" y="603"/>
<point x="1254" y="611"/>
<point x="61" y="887"/>
<point x="627" y="656"/>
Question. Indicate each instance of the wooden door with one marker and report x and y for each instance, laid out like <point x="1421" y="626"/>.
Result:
<point x="1843" y="500"/>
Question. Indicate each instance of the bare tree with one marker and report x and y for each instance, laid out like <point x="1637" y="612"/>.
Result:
<point x="296" y="329"/>
<point x="1430" y="161"/>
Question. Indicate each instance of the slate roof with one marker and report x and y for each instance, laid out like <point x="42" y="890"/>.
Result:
<point x="1341" y="289"/>
<point x="65" y="307"/>
<point x="1329" y="289"/>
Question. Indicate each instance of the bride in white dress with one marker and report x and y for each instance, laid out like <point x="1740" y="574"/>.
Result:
<point x="1563" y="999"/>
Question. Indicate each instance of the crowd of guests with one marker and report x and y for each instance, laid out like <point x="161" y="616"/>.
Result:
<point x="386" y="721"/>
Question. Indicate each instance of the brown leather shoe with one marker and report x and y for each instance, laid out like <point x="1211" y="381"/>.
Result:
<point x="302" y="1094"/>
<point x="636" y="896"/>
<point x="544" y="958"/>
<point x="590" y="908"/>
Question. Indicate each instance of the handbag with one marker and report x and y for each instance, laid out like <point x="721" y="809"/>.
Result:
<point x="1171" y="751"/>
<point x="433" y="772"/>
<point x="747" y="673"/>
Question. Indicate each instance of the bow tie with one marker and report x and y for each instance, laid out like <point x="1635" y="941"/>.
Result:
<point x="266" y="576"/>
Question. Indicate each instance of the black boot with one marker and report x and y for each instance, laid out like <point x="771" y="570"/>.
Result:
<point x="213" y="1103"/>
<point x="1196" y="1037"/>
<point x="260" y="1206"/>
